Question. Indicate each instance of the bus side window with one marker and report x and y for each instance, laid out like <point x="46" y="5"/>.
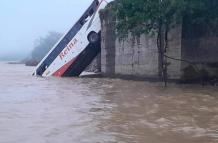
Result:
<point x="82" y="22"/>
<point x="91" y="12"/>
<point x="97" y="2"/>
<point x="86" y="16"/>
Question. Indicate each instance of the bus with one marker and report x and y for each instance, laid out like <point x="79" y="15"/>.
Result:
<point x="77" y="48"/>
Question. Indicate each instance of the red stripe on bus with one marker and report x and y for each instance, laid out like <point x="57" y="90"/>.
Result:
<point x="63" y="69"/>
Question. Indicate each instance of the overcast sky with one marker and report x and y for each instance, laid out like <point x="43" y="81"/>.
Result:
<point x="23" y="21"/>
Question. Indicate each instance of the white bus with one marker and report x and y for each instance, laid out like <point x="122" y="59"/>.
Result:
<point x="77" y="48"/>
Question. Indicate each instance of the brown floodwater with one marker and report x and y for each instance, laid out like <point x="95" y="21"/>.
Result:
<point x="102" y="110"/>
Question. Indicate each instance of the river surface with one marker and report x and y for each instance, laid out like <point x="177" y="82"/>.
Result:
<point x="101" y="110"/>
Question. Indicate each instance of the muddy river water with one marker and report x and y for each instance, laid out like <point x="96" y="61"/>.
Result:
<point x="101" y="110"/>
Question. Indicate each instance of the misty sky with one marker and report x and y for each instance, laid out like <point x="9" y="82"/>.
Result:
<point x="23" y="21"/>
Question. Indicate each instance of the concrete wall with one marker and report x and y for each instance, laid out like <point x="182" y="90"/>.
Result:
<point x="95" y="65"/>
<point x="108" y="39"/>
<point x="199" y="46"/>
<point x="136" y="57"/>
<point x="199" y="43"/>
<point x="175" y="51"/>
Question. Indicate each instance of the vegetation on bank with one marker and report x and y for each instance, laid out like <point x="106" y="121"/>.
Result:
<point x="158" y="17"/>
<point x="42" y="47"/>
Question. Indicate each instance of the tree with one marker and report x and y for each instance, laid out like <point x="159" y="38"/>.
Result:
<point x="43" y="45"/>
<point x="158" y="17"/>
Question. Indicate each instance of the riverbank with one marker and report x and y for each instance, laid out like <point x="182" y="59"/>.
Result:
<point x="15" y="63"/>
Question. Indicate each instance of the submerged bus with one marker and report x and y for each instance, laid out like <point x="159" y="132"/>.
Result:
<point x="77" y="48"/>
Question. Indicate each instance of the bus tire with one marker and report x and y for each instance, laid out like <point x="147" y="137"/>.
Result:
<point x="93" y="37"/>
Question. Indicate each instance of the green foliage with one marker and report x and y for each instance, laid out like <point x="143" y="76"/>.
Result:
<point x="203" y="13"/>
<point x="43" y="45"/>
<point x="144" y="16"/>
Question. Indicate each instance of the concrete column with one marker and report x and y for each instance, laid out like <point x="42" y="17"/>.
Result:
<point x="108" y="43"/>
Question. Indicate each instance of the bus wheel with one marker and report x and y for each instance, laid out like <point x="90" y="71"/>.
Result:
<point x="93" y="37"/>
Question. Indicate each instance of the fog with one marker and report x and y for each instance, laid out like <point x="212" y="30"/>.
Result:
<point x="24" y="21"/>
